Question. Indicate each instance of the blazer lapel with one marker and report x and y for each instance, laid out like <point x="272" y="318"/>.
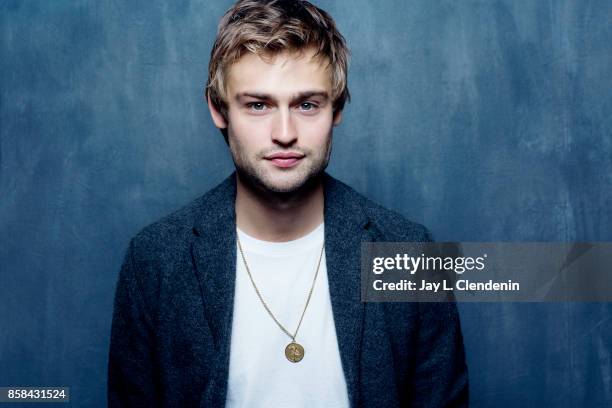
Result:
<point x="344" y="232"/>
<point x="214" y="255"/>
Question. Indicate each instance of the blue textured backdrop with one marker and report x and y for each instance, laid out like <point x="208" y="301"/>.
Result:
<point x="484" y="120"/>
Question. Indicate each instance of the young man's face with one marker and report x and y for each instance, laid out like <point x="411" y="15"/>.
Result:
<point x="280" y="119"/>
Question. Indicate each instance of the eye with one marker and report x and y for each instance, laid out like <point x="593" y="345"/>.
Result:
<point x="307" y="106"/>
<point x="256" y="106"/>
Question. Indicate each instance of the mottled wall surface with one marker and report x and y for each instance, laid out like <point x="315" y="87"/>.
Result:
<point x="484" y="120"/>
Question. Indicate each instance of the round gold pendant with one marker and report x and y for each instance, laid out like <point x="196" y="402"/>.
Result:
<point x="294" y="352"/>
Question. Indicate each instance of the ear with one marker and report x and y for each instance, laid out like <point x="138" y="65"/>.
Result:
<point x="337" y="118"/>
<point x="217" y="117"/>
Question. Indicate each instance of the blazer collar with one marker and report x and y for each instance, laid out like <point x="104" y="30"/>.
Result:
<point x="214" y="253"/>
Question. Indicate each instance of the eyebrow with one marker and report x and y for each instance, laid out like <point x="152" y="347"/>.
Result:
<point x="294" y="98"/>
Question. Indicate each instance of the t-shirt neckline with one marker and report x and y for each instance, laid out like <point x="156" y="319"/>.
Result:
<point x="287" y="248"/>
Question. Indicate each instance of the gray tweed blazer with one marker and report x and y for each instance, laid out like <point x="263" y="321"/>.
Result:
<point x="172" y="318"/>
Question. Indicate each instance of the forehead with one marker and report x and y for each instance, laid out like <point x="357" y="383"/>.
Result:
<point x="284" y="73"/>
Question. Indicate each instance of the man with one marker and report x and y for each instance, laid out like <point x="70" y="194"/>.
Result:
<point x="250" y="295"/>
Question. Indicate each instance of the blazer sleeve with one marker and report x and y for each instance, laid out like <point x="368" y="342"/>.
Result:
<point x="441" y="376"/>
<point x="131" y="366"/>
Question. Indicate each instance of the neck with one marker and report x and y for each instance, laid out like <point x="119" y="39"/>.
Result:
<point x="277" y="217"/>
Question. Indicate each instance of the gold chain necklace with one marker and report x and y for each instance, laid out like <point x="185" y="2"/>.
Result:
<point x="294" y="351"/>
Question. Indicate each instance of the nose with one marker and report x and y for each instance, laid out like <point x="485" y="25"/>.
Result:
<point x="284" y="132"/>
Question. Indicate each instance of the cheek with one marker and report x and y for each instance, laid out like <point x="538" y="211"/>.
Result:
<point x="247" y="132"/>
<point x="315" y="130"/>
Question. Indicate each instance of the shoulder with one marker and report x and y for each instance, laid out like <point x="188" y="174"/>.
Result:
<point x="167" y="231"/>
<point x="394" y="225"/>
<point x="387" y="224"/>
<point x="175" y="230"/>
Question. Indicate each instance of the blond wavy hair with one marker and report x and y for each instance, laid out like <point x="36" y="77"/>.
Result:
<point x="267" y="27"/>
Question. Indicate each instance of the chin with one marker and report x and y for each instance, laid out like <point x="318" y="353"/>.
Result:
<point x="290" y="181"/>
<point x="284" y="184"/>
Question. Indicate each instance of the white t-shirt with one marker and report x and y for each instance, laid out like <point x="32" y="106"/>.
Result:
<point x="259" y="373"/>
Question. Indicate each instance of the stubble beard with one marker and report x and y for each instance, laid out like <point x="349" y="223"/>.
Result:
<point x="283" y="184"/>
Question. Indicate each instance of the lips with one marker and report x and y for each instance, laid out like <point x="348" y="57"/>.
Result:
<point x="285" y="159"/>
